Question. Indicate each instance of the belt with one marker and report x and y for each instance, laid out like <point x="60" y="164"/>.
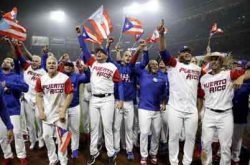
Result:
<point x="102" y="95"/>
<point x="218" y="111"/>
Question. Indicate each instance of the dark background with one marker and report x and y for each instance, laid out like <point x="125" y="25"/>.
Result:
<point x="188" y="21"/>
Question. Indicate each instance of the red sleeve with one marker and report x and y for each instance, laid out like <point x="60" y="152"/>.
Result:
<point x="234" y="74"/>
<point x="200" y="92"/>
<point x="117" y="77"/>
<point x="91" y="61"/>
<point x="134" y="58"/>
<point x="68" y="87"/>
<point x="60" y="67"/>
<point x="172" y="62"/>
<point x="38" y="86"/>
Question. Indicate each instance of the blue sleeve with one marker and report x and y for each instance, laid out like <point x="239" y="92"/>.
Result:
<point x="86" y="53"/>
<point x="44" y="58"/>
<point x="165" y="55"/>
<point x="17" y="85"/>
<point x="246" y="84"/>
<point x="3" y="112"/>
<point x="17" y="67"/>
<point x="139" y="67"/>
<point x="120" y="90"/>
<point x="84" y="78"/>
<point x="109" y="59"/>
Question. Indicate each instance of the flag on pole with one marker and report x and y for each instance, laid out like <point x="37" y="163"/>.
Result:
<point x="10" y="28"/>
<point x="155" y="36"/>
<point x="89" y="35"/>
<point x="101" y="22"/>
<point x="132" y="26"/>
<point x="64" y="138"/>
<point x="138" y="37"/>
<point x="215" y="29"/>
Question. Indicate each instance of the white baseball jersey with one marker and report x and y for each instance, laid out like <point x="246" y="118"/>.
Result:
<point x="183" y="86"/>
<point x="54" y="94"/>
<point x="103" y="76"/>
<point x="30" y="77"/>
<point x="218" y="90"/>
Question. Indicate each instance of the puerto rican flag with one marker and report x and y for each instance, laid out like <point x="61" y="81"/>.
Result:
<point x="155" y="36"/>
<point x="89" y="36"/>
<point x="132" y="26"/>
<point x="215" y="29"/>
<point x="10" y="28"/>
<point x="101" y="22"/>
<point x="138" y="37"/>
<point x="64" y="138"/>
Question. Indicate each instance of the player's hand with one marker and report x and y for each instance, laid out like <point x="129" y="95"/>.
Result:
<point x="3" y="83"/>
<point x="203" y="157"/>
<point x="142" y="45"/>
<point x="237" y="83"/>
<point x="119" y="105"/>
<point x="161" y="28"/>
<point x="45" y="49"/>
<point x="10" y="136"/>
<point x="78" y="30"/>
<point x="163" y="107"/>
<point x="62" y="116"/>
<point x="42" y="116"/>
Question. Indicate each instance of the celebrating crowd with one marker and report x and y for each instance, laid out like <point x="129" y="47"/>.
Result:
<point x="125" y="101"/>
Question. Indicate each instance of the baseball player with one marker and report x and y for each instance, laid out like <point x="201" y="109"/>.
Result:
<point x="53" y="97"/>
<point x="183" y="79"/>
<point x="74" y="108"/>
<point x="13" y="86"/>
<point x="152" y="94"/>
<point x="104" y="75"/>
<point x="32" y="71"/>
<point x="217" y="86"/>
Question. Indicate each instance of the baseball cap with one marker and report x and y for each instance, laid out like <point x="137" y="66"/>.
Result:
<point x="241" y="63"/>
<point x="69" y="63"/>
<point x="185" y="49"/>
<point x="100" y="50"/>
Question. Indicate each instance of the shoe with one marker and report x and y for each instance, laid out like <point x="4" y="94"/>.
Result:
<point x="8" y="161"/>
<point x="92" y="158"/>
<point x="75" y="154"/>
<point x="154" y="159"/>
<point x="112" y="159"/>
<point x="23" y="161"/>
<point x="131" y="156"/>
<point x="54" y="163"/>
<point x="32" y="145"/>
<point x="143" y="161"/>
<point x="40" y="143"/>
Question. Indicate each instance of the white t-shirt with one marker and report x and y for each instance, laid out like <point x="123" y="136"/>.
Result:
<point x="218" y="90"/>
<point x="54" y="91"/>
<point x="183" y="86"/>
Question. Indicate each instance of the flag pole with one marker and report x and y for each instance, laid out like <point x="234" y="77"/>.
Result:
<point x="121" y="33"/>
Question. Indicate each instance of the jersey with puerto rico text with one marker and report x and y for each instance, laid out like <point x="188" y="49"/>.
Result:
<point x="218" y="90"/>
<point x="183" y="86"/>
<point x="54" y="94"/>
<point x="30" y="77"/>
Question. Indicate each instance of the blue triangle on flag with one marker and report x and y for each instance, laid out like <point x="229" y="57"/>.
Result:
<point x="84" y="33"/>
<point x="4" y="25"/>
<point x="127" y="25"/>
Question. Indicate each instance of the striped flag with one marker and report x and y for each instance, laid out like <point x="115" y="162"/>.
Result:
<point x="101" y="22"/>
<point x="132" y="26"/>
<point x="138" y="37"/>
<point x="10" y="28"/>
<point x="215" y="29"/>
<point x="155" y="36"/>
<point x="64" y="138"/>
<point x="89" y="36"/>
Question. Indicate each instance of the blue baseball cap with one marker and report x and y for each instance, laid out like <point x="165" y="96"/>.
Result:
<point x="185" y="49"/>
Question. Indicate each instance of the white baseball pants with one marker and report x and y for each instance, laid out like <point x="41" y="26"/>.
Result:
<point x="164" y="128"/>
<point x="48" y="134"/>
<point x="147" y="120"/>
<point x="127" y="113"/>
<point x="18" y="137"/>
<point x="23" y="119"/>
<point x="223" y="123"/>
<point x="237" y="141"/>
<point x="32" y="118"/>
<point x="85" y="116"/>
<point x="102" y="109"/>
<point x="74" y="116"/>
<point x="176" y="121"/>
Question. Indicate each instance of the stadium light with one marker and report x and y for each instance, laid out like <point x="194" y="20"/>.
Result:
<point x="136" y="8"/>
<point x="58" y="16"/>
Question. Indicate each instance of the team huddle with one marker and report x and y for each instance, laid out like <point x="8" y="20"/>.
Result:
<point x="164" y="100"/>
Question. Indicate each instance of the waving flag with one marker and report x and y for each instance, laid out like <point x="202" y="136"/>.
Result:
<point x="138" y="36"/>
<point x="155" y="36"/>
<point x="64" y="138"/>
<point x="88" y="35"/>
<point x="10" y="28"/>
<point x="215" y="29"/>
<point x="101" y="22"/>
<point x="132" y="26"/>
